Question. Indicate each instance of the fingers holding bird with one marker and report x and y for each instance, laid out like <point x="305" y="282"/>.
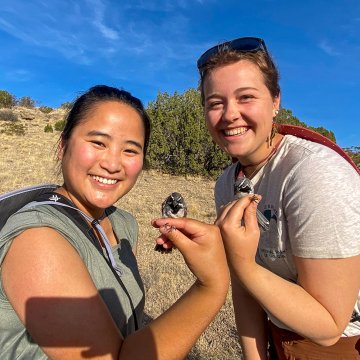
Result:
<point x="199" y="243"/>
<point x="239" y="227"/>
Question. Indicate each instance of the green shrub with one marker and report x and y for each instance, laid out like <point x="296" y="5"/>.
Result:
<point x="180" y="143"/>
<point x="59" y="125"/>
<point x="48" y="128"/>
<point x="26" y="101"/>
<point x="45" y="109"/>
<point x="14" y="128"/>
<point x="354" y="153"/>
<point x="8" y="115"/>
<point x="66" y="105"/>
<point x="7" y="100"/>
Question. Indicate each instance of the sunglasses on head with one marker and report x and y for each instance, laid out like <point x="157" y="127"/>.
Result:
<point x="241" y="44"/>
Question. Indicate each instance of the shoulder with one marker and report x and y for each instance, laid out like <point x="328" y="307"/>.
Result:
<point x="311" y="161"/>
<point x="46" y="218"/>
<point x="312" y="170"/>
<point x="37" y="216"/>
<point x="320" y="197"/>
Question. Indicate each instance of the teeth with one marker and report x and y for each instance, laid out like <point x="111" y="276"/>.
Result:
<point x="104" y="180"/>
<point x="237" y="131"/>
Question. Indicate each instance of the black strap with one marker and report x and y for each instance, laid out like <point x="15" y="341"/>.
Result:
<point x="12" y="201"/>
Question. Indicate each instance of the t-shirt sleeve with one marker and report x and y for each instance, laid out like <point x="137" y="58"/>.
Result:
<point x="322" y="208"/>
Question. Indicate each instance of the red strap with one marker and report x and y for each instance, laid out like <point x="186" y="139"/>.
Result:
<point x="307" y="134"/>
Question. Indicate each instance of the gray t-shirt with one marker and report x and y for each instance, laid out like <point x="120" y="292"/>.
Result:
<point x="311" y="196"/>
<point x="125" y="301"/>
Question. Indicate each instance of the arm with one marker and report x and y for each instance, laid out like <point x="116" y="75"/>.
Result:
<point x="57" y="301"/>
<point x="293" y="304"/>
<point x="172" y="335"/>
<point x="192" y="313"/>
<point x="251" y="323"/>
<point x="52" y="293"/>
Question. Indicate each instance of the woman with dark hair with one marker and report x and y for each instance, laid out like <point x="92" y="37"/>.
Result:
<point x="70" y="285"/>
<point x="296" y="279"/>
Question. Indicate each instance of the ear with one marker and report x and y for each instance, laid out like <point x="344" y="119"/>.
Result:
<point x="276" y="105"/>
<point x="61" y="149"/>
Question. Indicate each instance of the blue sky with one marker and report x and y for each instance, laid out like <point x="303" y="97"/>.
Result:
<point x="52" y="50"/>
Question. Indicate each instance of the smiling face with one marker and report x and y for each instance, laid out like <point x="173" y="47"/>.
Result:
<point x="103" y="157"/>
<point x="239" y="110"/>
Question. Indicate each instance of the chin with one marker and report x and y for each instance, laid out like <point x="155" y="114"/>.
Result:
<point x="103" y="203"/>
<point x="235" y="153"/>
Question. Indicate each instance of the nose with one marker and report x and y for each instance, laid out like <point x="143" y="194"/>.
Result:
<point x="231" y="111"/>
<point x="111" y="162"/>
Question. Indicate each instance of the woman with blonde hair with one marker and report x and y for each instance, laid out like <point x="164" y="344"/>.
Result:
<point x="295" y="280"/>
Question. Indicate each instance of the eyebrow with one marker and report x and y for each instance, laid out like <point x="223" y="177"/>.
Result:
<point x="215" y="95"/>
<point x="107" y="136"/>
<point x="98" y="133"/>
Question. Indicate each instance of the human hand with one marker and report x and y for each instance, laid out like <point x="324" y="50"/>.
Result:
<point x="239" y="229"/>
<point x="201" y="246"/>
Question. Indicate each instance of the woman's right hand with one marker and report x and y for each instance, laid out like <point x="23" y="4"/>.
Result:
<point x="200" y="244"/>
<point x="189" y="316"/>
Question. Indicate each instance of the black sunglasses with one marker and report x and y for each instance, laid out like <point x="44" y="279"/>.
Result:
<point x="240" y="44"/>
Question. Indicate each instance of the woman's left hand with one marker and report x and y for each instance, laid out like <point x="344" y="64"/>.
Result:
<point x="239" y="229"/>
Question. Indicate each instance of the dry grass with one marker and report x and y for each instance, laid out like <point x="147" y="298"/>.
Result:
<point x="27" y="160"/>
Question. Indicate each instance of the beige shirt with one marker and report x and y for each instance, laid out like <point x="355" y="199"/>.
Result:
<point x="311" y="196"/>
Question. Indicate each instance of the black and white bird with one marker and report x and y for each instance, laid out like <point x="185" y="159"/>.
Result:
<point x="243" y="187"/>
<point x="174" y="206"/>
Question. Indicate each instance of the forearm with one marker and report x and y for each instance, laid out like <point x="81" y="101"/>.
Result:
<point x="251" y="323"/>
<point x="183" y="323"/>
<point x="289" y="303"/>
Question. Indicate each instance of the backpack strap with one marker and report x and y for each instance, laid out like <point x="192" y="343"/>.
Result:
<point x="12" y="201"/>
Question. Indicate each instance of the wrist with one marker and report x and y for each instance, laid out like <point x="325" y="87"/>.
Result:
<point x="219" y="287"/>
<point x="243" y="270"/>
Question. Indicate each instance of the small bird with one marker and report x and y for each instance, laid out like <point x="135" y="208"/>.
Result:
<point x="174" y="206"/>
<point x="242" y="187"/>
